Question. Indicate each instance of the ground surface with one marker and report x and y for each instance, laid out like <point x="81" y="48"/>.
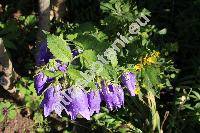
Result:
<point x="20" y="124"/>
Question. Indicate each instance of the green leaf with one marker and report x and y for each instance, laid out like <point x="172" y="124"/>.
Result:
<point x="111" y="55"/>
<point x="87" y="42"/>
<point x="92" y="85"/>
<point x="1" y="105"/>
<point x="153" y="73"/>
<point x="38" y="118"/>
<point x="87" y="58"/>
<point x="59" y="48"/>
<point x="99" y="116"/>
<point x="196" y="94"/>
<point x="12" y="114"/>
<point x="163" y="31"/>
<point x="105" y="74"/>
<point x="106" y="6"/>
<point x="1" y="117"/>
<point x="111" y="71"/>
<point x="52" y="74"/>
<point x="30" y="20"/>
<point x="7" y="104"/>
<point x="74" y="74"/>
<point x="188" y="106"/>
<point x="72" y="36"/>
<point x="124" y="130"/>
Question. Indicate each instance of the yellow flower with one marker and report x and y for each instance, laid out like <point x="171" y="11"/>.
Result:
<point x="151" y="60"/>
<point x="137" y="91"/>
<point x="145" y="60"/>
<point x="138" y="67"/>
<point x="156" y="54"/>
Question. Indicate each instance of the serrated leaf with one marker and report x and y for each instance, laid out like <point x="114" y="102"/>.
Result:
<point x="111" y="55"/>
<point x="87" y="58"/>
<point x="74" y="74"/>
<point x="59" y="48"/>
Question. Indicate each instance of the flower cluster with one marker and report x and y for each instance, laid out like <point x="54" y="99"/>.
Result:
<point x="80" y="101"/>
<point x="147" y="60"/>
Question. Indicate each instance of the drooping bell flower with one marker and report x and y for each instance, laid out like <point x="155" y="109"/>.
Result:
<point x="94" y="101"/>
<point x="120" y="95"/>
<point x="113" y="96"/>
<point x="129" y="80"/>
<point x="107" y="96"/>
<point x="51" y="101"/>
<point x="43" y="54"/>
<point x="39" y="82"/>
<point x="78" y="103"/>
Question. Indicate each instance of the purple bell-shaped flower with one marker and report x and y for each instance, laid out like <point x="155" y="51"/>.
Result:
<point x="113" y="96"/>
<point x="39" y="82"/>
<point x="43" y="54"/>
<point x="94" y="101"/>
<point x="129" y="80"/>
<point x="78" y="103"/>
<point x="51" y="101"/>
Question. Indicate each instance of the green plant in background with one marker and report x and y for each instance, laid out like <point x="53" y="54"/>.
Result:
<point x="32" y="104"/>
<point x="26" y="87"/>
<point x="40" y="124"/>
<point x="186" y="111"/>
<point x="112" y="123"/>
<point x="7" y="111"/>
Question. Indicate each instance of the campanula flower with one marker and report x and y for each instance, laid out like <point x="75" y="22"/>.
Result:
<point x="78" y="103"/>
<point x="43" y="54"/>
<point x="51" y="101"/>
<point x="39" y="82"/>
<point x="129" y="80"/>
<point x="118" y="95"/>
<point x="113" y="96"/>
<point x="94" y="101"/>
